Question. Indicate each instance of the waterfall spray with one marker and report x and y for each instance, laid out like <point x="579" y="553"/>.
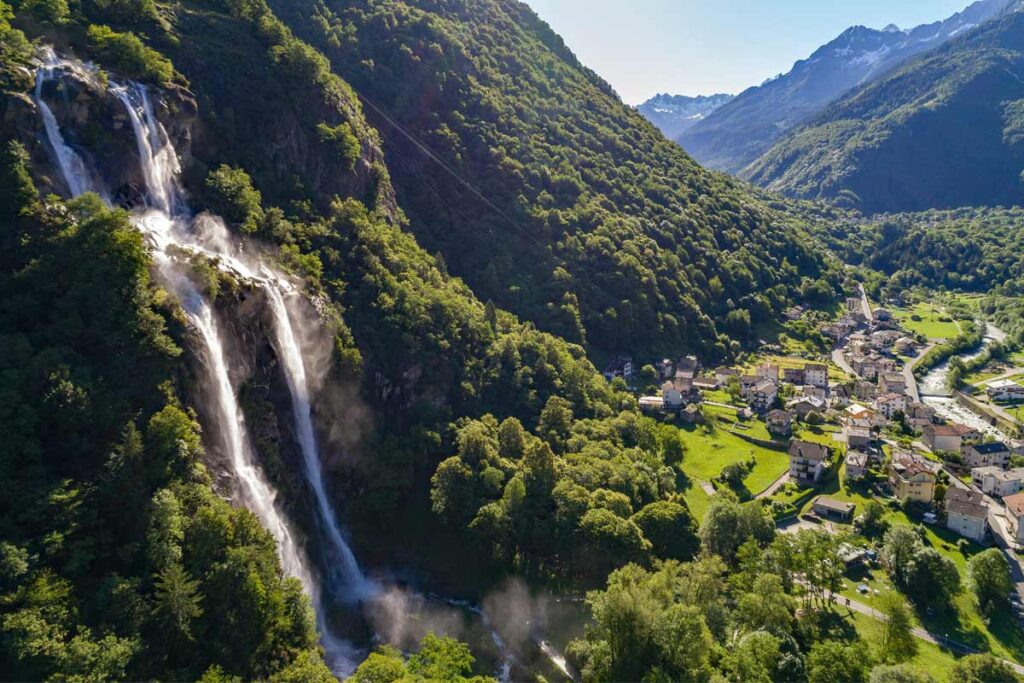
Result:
<point x="165" y="224"/>
<point x="356" y="585"/>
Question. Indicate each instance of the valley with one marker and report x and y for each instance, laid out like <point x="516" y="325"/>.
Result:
<point x="379" y="340"/>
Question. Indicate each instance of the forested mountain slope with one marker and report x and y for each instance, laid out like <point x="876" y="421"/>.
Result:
<point x="968" y="249"/>
<point x="460" y="444"/>
<point x="98" y="395"/>
<point x="546" y="193"/>
<point x="942" y="131"/>
<point x="739" y="132"/>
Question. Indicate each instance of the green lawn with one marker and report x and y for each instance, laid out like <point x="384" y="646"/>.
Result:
<point x="697" y="500"/>
<point x="711" y="447"/>
<point x="719" y="396"/>
<point x="929" y="324"/>
<point x="930" y="658"/>
<point x="823" y="434"/>
<point x="1017" y="412"/>
<point x="1001" y="637"/>
<point x="964" y="624"/>
<point x="981" y="376"/>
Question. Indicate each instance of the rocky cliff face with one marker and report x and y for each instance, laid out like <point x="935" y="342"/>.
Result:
<point x="265" y="113"/>
<point x="95" y="123"/>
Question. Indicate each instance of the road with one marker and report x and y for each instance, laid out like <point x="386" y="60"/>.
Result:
<point x="908" y="373"/>
<point x="864" y="303"/>
<point x="840" y="360"/>
<point x="921" y="633"/>
<point x="837" y="352"/>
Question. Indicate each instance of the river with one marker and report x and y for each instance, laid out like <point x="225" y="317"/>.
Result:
<point x="935" y="393"/>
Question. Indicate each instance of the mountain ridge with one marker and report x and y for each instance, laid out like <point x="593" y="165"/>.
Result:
<point x="675" y="114"/>
<point x="941" y="131"/>
<point x="732" y="137"/>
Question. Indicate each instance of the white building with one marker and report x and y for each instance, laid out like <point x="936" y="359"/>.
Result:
<point x="816" y="374"/>
<point x="807" y="461"/>
<point x="966" y="513"/>
<point x="995" y="481"/>
<point x="856" y="465"/>
<point x="890" y="404"/>
<point x="994" y="453"/>
<point x="762" y="396"/>
<point x="672" y="397"/>
<point x="1005" y="390"/>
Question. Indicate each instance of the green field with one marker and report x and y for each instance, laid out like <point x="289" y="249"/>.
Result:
<point x="984" y="375"/>
<point x="711" y="447"/>
<point x="930" y="658"/>
<point x="930" y="324"/>
<point x="697" y="500"/>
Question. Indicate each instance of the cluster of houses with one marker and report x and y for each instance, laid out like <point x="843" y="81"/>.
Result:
<point x="913" y="478"/>
<point x="681" y="387"/>
<point x="810" y="393"/>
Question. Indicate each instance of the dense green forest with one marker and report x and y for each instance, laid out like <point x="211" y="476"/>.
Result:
<point x="968" y="249"/>
<point x="546" y="193"/>
<point x="941" y="131"/>
<point x="426" y="350"/>
<point x="118" y="559"/>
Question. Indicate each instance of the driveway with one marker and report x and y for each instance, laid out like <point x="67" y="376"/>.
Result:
<point x="774" y="486"/>
<point x="1012" y="372"/>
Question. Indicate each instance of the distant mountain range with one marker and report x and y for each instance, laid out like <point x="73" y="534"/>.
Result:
<point x="675" y="114"/>
<point x="735" y="134"/>
<point x="944" y="130"/>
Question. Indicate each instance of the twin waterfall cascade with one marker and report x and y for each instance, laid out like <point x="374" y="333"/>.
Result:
<point x="169" y="227"/>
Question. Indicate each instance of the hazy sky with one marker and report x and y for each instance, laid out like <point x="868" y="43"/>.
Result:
<point x="699" y="47"/>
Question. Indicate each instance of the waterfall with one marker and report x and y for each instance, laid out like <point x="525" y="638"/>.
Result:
<point x="291" y="358"/>
<point x="72" y="168"/>
<point x="257" y="493"/>
<point x="170" y="228"/>
<point x="166" y="224"/>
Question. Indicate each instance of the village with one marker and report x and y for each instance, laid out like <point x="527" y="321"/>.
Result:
<point x="821" y="439"/>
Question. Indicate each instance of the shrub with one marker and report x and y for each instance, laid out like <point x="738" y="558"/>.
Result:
<point x="127" y="52"/>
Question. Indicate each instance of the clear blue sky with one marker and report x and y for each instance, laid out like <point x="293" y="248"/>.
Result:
<point x="699" y="47"/>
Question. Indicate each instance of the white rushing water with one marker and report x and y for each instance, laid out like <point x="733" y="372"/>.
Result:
<point x="73" y="170"/>
<point x="935" y="392"/>
<point x="292" y="359"/>
<point x="168" y="225"/>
